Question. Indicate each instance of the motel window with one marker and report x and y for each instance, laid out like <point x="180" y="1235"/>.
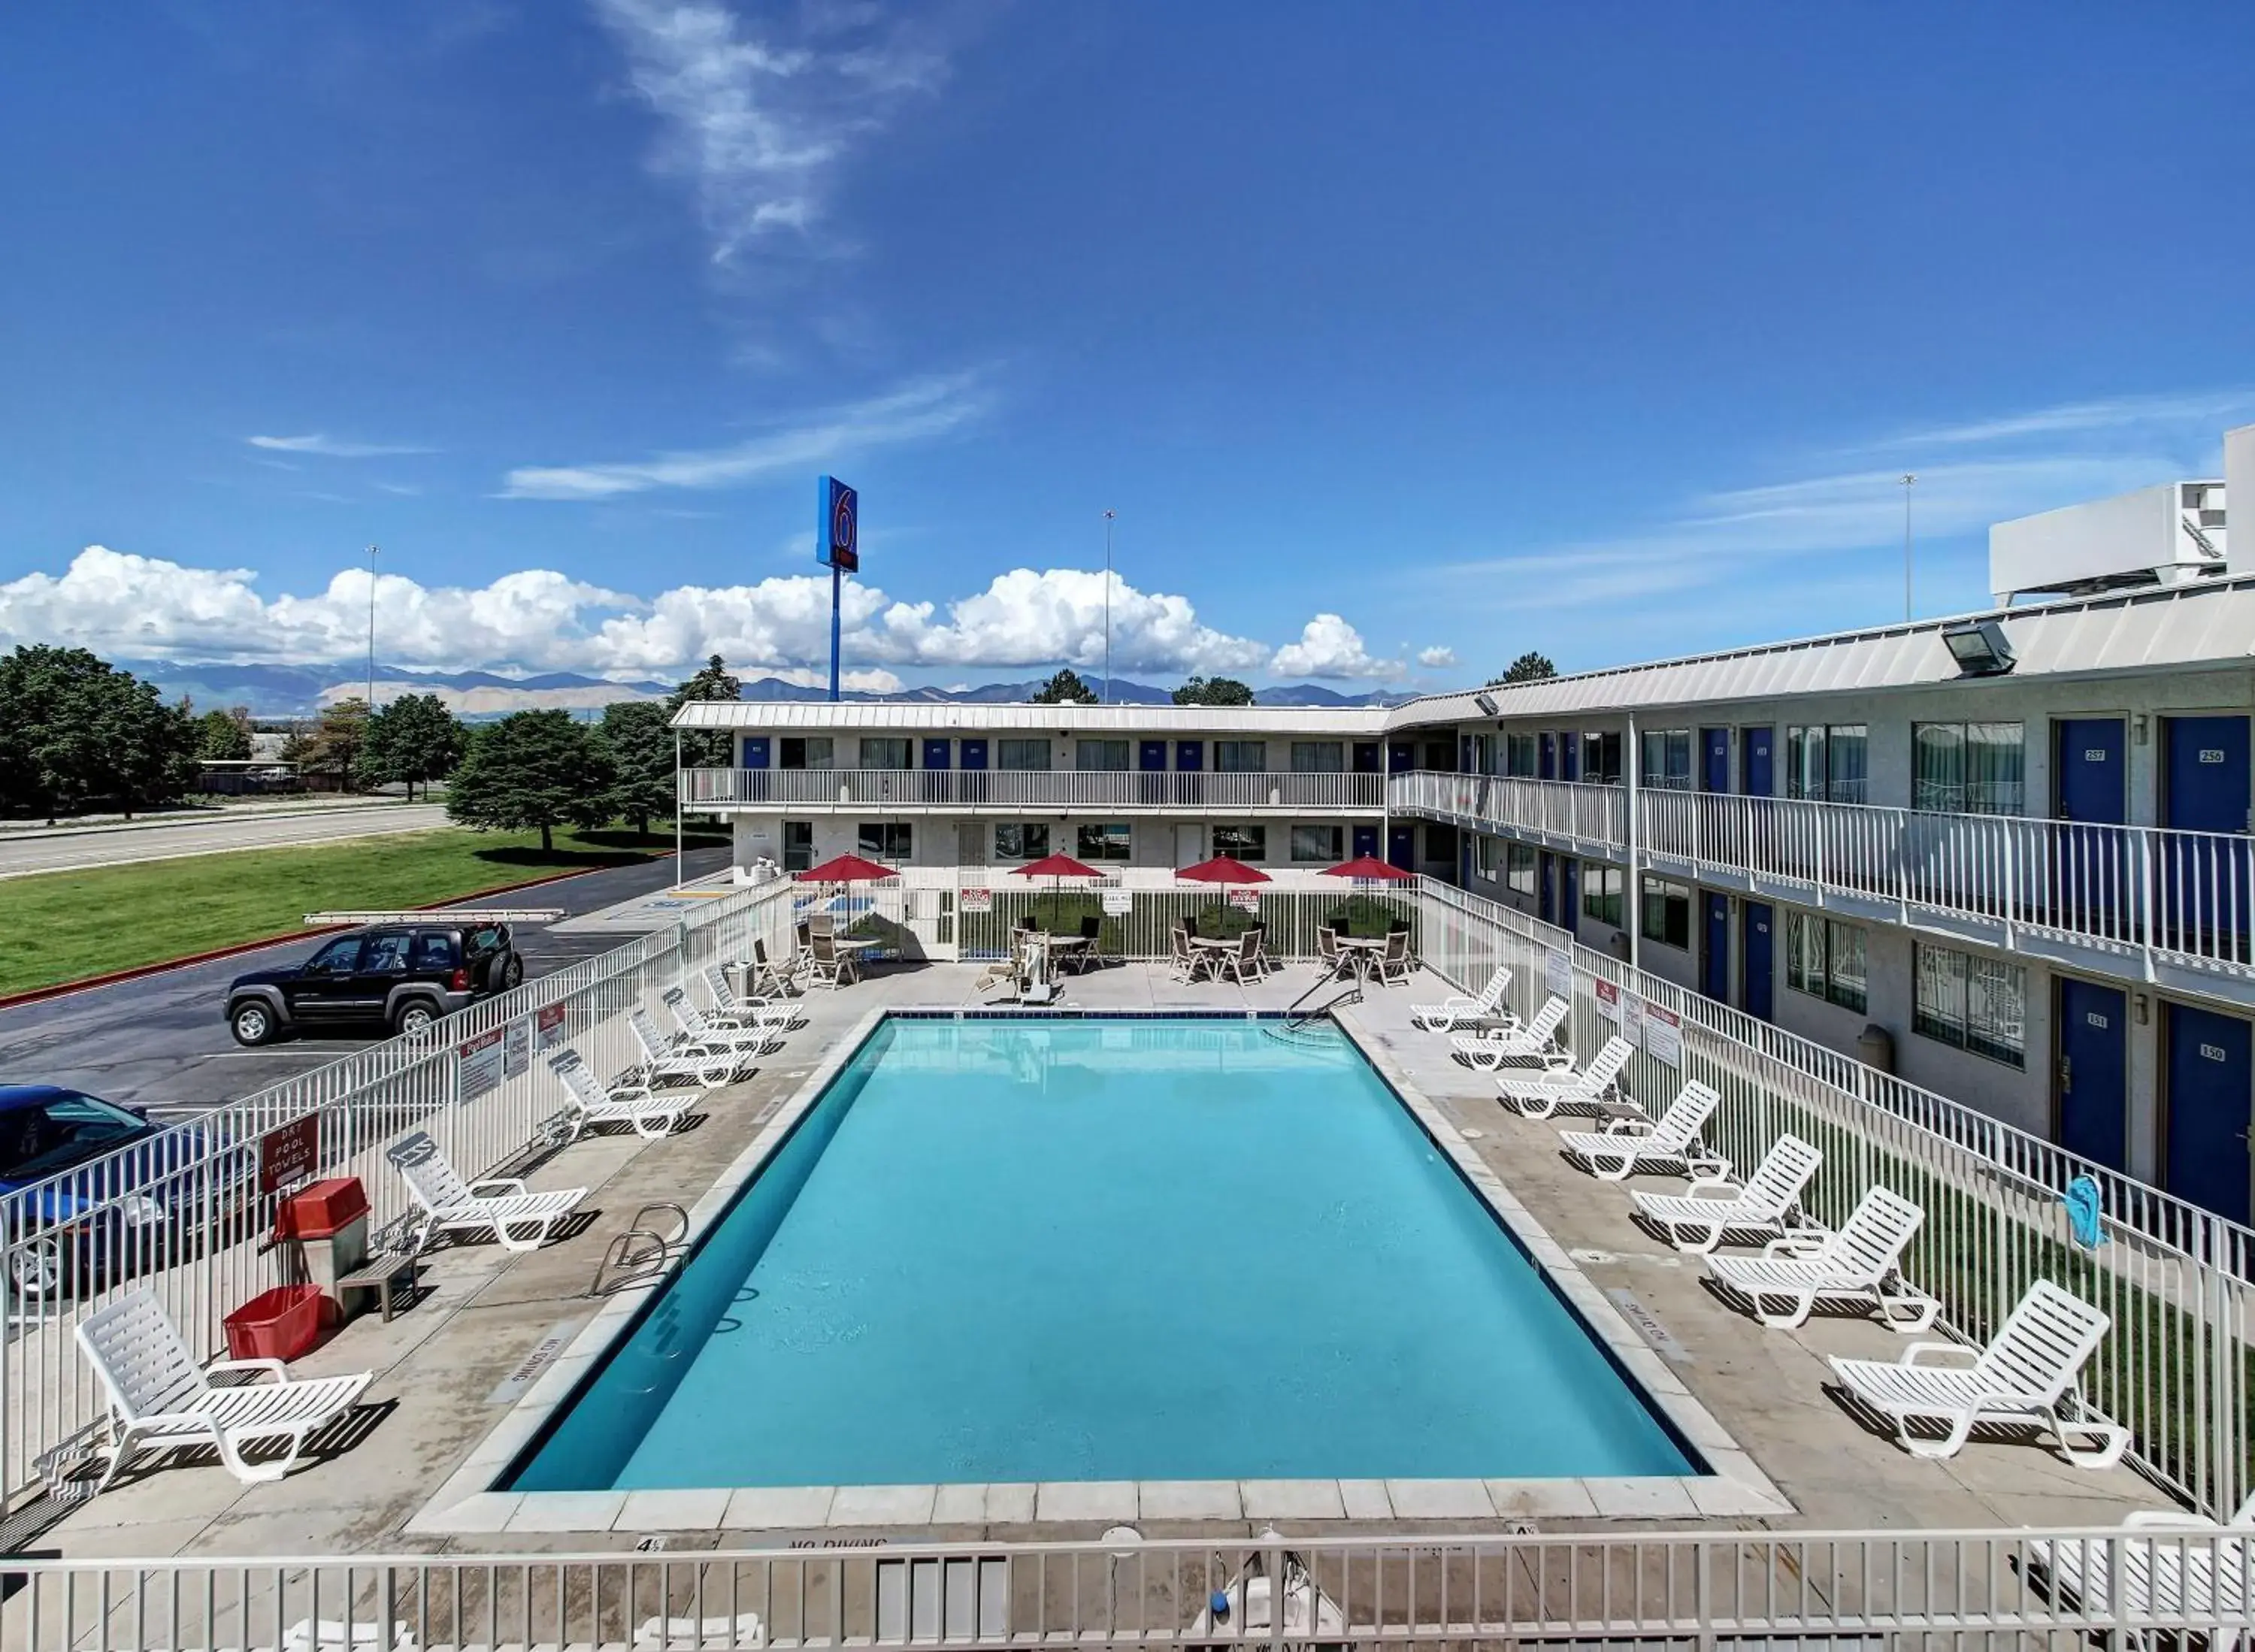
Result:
<point x="1967" y="767"/>
<point x="1318" y="757"/>
<point x="813" y="752"/>
<point x="1667" y="759"/>
<point x="1976" y="1003"/>
<point x="1519" y="754"/>
<point x="1104" y="842"/>
<point x="1021" y="754"/>
<point x="1827" y="763"/>
<point x="885" y="754"/>
<point x="1825" y="959"/>
<point x="1518" y="867"/>
<point x="1601" y="892"/>
<point x="1100" y="755"/>
<point x="891" y="840"/>
<point x="1487" y="858"/>
<point x="1021" y="840"/>
<point x="1240" y="757"/>
<point x="1601" y="759"/>
<point x="1319" y="845"/>
<point x="1666" y="915"/>
<point x="798" y="844"/>
<point x="1241" y="842"/>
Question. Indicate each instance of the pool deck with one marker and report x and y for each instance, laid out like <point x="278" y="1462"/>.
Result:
<point x="494" y="1330"/>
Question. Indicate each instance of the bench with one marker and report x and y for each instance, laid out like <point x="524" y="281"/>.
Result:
<point x="381" y="1274"/>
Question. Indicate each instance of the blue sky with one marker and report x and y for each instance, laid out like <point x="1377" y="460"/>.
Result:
<point x="1400" y="339"/>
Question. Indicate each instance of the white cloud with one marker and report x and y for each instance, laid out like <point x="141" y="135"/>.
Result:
<point x="1330" y="647"/>
<point x="538" y="620"/>
<point x="925" y="408"/>
<point x="2207" y="411"/>
<point x="1436" y="658"/>
<point x="331" y="447"/>
<point x="763" y="116"/>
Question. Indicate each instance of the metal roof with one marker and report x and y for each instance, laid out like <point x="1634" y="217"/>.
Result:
<point x="821" y="716"/>
<point x="2177" y="628"/>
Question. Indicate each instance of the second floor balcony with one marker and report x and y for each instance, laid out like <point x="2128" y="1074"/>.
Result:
<point x="1004" y="792"/>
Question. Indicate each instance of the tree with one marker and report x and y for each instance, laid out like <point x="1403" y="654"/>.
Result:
<point x="1529" y="667"/>
<point x="1213" y="691"/>
<point x="414" y="738"/>
<point x="533" y="770"/>
<point x="224" y="736"/>
<point x="74" y="729"/>
<point x="641" y="744"/>
<point x="337" y="741"/>
<point x="706" y="748"/>
<point x="1064" y="689"/>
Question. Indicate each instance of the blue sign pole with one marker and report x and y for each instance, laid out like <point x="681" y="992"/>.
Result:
<point x="837" y="578"/>
<point x="837" y="542"/>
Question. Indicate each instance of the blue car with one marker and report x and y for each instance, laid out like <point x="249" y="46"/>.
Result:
<point x="90" y="1191"/>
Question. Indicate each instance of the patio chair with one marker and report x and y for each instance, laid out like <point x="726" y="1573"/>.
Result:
<point x="1535" y="1041"/>
<point x="2028" y="1376"/>
<point x="1246" y="959"/>
<point x="1394" y="962"/>
<point x="2177" y="1568"/>
<point x="1186" y="961"/>
<point x="588" y="1101"/>
<point x="1329" y="959"/>
<point x="1666" y="1146"/>
<point x="698" y="1060"/>
<point x="769" y="978"/>
<point x="1857" y="1265"/>
<point x="1458" y="1011"/>
<point x="520" y="1219"/>
<point x="1538" y="1095"/>
<point x="702" y="1031"/>
<point x="832" y="964"/>
<point x="1762" y="1209"/>
<point x="157" y="1396"/>
<point x="732" y="1009"/>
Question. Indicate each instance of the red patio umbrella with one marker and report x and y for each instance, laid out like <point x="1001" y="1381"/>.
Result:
<point x="847" y="869"/>
<point x="1370" y="867"/>
<point x="1055" y="866"/>
<point x="1223" y="868"/>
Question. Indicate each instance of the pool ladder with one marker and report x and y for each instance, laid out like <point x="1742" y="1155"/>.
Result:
<point x="639" y="1255"/>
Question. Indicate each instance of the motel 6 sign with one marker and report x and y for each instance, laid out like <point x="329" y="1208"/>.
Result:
<point x="838" y="535"/>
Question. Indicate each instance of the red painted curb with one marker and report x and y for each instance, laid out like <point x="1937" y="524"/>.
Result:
<point x="86" y="983"/>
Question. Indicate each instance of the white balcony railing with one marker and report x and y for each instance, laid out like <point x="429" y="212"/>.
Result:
<point x="2185" y="895"/>
<point x="1000" y="789"/>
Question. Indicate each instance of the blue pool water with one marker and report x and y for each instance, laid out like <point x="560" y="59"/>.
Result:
<point x="1089" y="1249"/>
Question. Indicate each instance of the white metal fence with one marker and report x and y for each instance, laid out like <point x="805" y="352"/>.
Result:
<point x="1926" y="1590"/>
<point x="2187" y="894"/>
<point x="1171" y="791"/>
<point x="2178" y="1281"/>
<point x="184" y="1212"/>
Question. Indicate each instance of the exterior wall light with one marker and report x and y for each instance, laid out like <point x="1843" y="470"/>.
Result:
<point x="1487" y="703"/>
<point x="1979" y="647"/>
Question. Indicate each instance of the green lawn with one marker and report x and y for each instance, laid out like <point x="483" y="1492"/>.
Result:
<point x="63" y="926"/>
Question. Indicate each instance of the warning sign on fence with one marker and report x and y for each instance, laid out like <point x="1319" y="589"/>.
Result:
<point x="517" y="1049"/>
<point x="1663" y="1036"/>
<point x="1245" y="900"/>
<point x="1558" y="974"/>
<point x="975" y="900"/>
<point x="481" y="1059"/>
<point x="1118" y="903"/>
<point x="1609" y="999"/>
<point x="548" y="1027"/>
<point x="287" y="1155"/>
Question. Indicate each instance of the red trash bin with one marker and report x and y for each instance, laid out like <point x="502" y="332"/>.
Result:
<point x="280" y="1323"/>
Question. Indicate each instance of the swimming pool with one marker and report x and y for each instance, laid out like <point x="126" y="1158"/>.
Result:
<point x="1088" y="1250"/>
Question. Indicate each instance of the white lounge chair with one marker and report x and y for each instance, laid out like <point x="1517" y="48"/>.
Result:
<point x="1762" y="1209"/>
<point x="696" y="1060"/>
<point x="1541" y="1094"/>
<point x="158" y="1396"/>
<point x="1857" y="1265"/>
<point x="2165" y="1570"/>
<point x="2032" y="1365"/>
<point x="700" y="1634"/>
<point x="334" y="1635"/>
<point x="1666" y="1146"/>
<point x="1535" y="1041"/>
<point x="702" y="1031"/>
<point x="587" y="1102"/>
<point x="1459" y="1011"/>
<point x="520" y="1219"/>
<point x="731" y="1008"/>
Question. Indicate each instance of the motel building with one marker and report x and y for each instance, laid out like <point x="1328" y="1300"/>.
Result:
<point x="2006" y="856"/>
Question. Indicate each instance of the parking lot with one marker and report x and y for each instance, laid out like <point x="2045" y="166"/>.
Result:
<point x="159" y="1042"/>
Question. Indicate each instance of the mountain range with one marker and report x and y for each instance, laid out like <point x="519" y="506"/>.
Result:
<point x="278" y="691"/>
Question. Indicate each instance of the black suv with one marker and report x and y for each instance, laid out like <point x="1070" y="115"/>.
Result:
<point x="401" y="976"/>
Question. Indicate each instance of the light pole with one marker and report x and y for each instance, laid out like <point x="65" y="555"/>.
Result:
<point x="1107" y="607"/>
<point x="371" y="630"/>
<point x="1909" y="482"/>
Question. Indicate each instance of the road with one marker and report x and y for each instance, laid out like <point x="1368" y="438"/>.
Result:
<point x="158" y="1041"/>
<point x="115" y="846"/>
